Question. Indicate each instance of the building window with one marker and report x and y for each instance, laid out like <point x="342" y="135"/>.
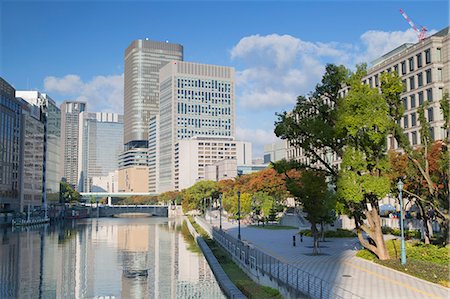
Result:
<point x="404" y="85"/>
<point x="428" y="74"/>
<point x="370" y="82"/>
<point x="438" y="54"/>
<point x="405" y="121"/>
<point x="396" y="69"/>
<point x="413" y="120"/>
<point x="419" y="80"/>
<point x="414" y="138"/>
<point x="413" y="101"/>
<point x="419" y="60"/>
<point x="430" y="95"/>
<point x="377" y="81"/>
<point x="411" y="83"/>
<point x="403" y="67"/>
<point x="427" y="56"/>
<point x="439" y="74"/>
<point x="430" y="114"/>
<point x="420" y="98"/>
<point x="411" y="64"/>
<point x="405" y="103"/>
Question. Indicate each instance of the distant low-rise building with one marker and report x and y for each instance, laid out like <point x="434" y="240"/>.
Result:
<point x="275" y="151"/>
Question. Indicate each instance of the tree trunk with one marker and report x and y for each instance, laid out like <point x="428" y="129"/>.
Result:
<point x="322" y="232"/>
<point x="315" y="235"/>
<point x="373" y="230"/>
<point x="426" y="222"/>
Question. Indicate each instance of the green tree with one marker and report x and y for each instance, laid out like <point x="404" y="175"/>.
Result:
<point x="193" y="196"/>
<point x="430" y="189"/>
<point x="363" y="117"/>
<point x="311" y="126"/>
<point x="311" y="190"/>
<point x="68" y="193"/>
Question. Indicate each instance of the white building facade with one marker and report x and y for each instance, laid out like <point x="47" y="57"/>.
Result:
<point x="196" y="100"/>
<point x="194" y="156"/>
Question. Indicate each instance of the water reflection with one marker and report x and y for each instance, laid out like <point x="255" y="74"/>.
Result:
<point x="109" y="258"/>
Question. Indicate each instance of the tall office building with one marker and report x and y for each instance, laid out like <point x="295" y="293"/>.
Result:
<point x="196" y="100"/>
<point x="10" y="127"/>
<point x="69" y="140"/>
<point x="32" y="156"/>
<point x="53" y="136"/>
<point x="99" y="143"/>
<point x="143" y="60"/>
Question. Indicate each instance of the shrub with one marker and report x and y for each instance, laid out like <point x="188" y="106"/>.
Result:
<point x="339" y="233"/>
<point x="397" y="232"/>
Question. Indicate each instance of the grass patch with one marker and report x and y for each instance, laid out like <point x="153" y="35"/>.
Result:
<point x="273" y="227"/>
<point x="339" y="233"/>
<point x="428" y="262"/>
<point x="409" y="234"/>
<point x="247" y="286"/>
<point x="192" y="246"/>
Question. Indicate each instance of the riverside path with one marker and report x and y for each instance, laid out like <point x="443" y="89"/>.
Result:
<point x="337" y="263"/>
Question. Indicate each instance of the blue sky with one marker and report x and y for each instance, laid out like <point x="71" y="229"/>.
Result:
<point x="74" y="49"/>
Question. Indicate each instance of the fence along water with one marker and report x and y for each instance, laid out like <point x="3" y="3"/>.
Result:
<point x="296" y="281"/>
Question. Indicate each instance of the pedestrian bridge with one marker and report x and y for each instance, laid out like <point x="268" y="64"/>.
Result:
<point x="153" y="210"/>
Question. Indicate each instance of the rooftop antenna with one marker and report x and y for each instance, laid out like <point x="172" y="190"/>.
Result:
<point x="423" y="30"/>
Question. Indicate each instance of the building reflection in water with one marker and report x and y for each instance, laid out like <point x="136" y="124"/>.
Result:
<point x="107" y="257"/>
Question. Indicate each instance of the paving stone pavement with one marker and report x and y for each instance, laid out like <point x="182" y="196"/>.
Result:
<point x="337" y="263"/>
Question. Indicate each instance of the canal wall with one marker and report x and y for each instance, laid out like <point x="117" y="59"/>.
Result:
<point x="224" y="281"/>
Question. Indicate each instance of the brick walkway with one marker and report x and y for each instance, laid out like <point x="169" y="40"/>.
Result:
<point x="337" y="264"/>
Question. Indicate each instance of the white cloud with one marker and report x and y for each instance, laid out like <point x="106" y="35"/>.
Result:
<point x="102" y="93"/>
<point x="278" y="68"/>
<point x="258" y="137"/>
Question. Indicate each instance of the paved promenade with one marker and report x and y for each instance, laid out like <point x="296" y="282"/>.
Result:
<point x="337" y="264"/>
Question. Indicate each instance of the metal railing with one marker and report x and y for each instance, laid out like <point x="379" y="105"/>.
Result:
<point x="294" y="279"/>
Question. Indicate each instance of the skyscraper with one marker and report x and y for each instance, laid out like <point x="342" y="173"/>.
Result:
<point x="69" y="140"/>
<point x="196" y="100"/>
<point x="100" y="143"/>
<point x="143" y="59"/>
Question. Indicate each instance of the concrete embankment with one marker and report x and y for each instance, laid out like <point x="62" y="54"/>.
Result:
<point x="227" y="286"/>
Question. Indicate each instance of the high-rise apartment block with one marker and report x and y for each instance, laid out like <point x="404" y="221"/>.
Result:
<point x="10" y="128"/>
<point x="143" y="60"/>
<point x="69" y="140"/>
<point x="196" y="100"/>
<point x="100" y="142"/>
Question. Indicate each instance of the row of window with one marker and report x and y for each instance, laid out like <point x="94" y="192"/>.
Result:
<point x="420" y="97"/>
<point x="183" y="108"/>
<point x="414" y="118"/>
<point x="408" y="66"/>
<point x="214" y="84"/>
<point x="420" y="81"/>
<point x="413" y="136"/>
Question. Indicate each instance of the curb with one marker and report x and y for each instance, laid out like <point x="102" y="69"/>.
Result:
<point x="228" y="287"/>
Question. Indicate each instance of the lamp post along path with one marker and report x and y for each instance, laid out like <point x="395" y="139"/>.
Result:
<point x="239" y="214"/>
<point x="402" y="249"/>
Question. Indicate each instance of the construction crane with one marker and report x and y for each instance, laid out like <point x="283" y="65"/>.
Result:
<point x="423" y="30"/>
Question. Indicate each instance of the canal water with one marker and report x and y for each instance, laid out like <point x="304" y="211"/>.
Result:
<point x="104" y="258"/>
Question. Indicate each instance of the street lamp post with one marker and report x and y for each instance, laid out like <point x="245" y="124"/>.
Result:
<point x="220" y="211"/>
<point x="402" y="249"/>
<point x="239" y="173"/>
<point x="239" y="214"/>
<point x="210" y="209"/>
